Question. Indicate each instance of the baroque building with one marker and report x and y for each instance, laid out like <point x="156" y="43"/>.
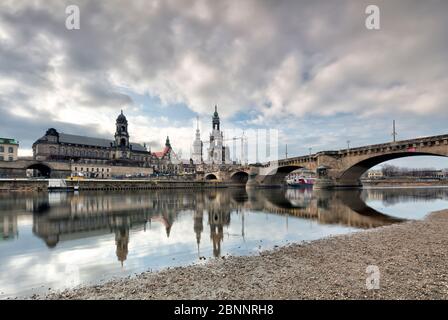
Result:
<point x="56" y="145"/>
<point x="102" y="158"/>
<point x="217" y="152"/>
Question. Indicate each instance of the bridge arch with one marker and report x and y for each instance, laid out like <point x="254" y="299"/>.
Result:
<point x="239" y="177"/>
<point x="277" y="176"/>
<point x="211" y="176"/>
<point x="353" y="173"/>
<point x="39" y="169"/>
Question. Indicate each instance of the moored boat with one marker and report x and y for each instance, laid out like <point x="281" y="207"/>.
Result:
<point x="300" y="182"/>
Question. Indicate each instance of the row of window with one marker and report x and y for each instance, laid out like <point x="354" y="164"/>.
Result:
<point x="92" y="169"/>
<point x="80" y="153"/>
<point x="10" y="158"/>
<point x="10" y="149"/>
<point x="91" y="154"/>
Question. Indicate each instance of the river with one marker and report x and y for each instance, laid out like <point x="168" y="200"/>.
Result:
<point x="62" y="240"/>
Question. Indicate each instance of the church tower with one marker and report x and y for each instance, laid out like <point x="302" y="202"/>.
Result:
<point x="122" y="136"/>
<point x="217" y="153"/>
<point x="215" y="119"/>
<point x="197" y="146"/>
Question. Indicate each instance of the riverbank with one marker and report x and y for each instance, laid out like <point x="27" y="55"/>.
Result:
<point x="38" y="185"/>
<point x="380" y="183"/>
<point x="412" y="259"/>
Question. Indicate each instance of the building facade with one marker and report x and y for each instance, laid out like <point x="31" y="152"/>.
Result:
<point x="166" y="161"/>
<point x="217" y="152"/>
<point x="375" y="174"/>
<point x="103" y="158"/>
<point x="56" y="145"/>
<point x="8" y="149"/>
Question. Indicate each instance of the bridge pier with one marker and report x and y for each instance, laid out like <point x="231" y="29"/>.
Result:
<point x="333" y="183"/>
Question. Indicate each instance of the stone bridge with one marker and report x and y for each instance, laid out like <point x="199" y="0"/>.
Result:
<point x="17" y="169"/>
<point x="344" y="168"/>
<point x="233" y="175"/>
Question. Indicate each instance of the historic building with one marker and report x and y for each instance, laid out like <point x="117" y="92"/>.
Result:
<point x="167" y="161"/>
<point x="103" y="158"/>
<point x="217" y="152"/>
<point x="196" y="155"/>
<point x="56" y="145"/>
<point x="8" y="149"/>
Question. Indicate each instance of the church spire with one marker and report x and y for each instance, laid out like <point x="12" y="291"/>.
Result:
<point x="167" y="142"/>
<point x="215" y="119"/>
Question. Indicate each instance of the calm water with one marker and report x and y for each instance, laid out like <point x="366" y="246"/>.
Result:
<point x="61" y="240"/>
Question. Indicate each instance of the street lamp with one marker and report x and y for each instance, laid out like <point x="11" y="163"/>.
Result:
<point x="348" y="144"/>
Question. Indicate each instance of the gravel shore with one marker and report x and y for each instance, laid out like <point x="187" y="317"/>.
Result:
<point x="412" y="258"/>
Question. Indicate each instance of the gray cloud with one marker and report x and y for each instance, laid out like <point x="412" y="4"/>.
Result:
<point x="279" y="60"/>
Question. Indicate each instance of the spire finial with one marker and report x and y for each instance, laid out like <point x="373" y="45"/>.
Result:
<point x="216" y="108"/>
<point x="197" y="122"/>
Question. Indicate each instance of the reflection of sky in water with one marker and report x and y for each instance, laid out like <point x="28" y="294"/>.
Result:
<point x="28" y="265"/>
<point x="414" y="206"/>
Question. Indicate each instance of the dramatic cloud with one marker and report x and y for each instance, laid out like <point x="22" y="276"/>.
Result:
<point x="309" y="68"/>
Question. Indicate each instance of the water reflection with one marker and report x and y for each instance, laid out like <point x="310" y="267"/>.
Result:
<point x="70" y="223"/>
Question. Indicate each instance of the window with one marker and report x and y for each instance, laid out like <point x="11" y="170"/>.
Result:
<point x="76" y="168"/>
<point x="2" y="158"/>
<point x="11" y="150"/>
<point x="11" y="158"/>
<point x="2" y="149"/>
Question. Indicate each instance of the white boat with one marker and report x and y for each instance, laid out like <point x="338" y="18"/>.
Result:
<point x="60" y="185"/>
<point x="300" y="182"/>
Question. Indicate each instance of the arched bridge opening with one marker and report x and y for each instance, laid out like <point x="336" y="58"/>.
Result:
<point x="38" y="170"/>
<point x="277" y="177"/>
<point x="239" y="178"/>
<point x="353" y="174"/>
<point x="211" y="177"/>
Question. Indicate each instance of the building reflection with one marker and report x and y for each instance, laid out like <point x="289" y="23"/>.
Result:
<point x="122" y="241"/>
<point x="217" y="219"/>
<point x="198" y="226"/>
<point x="8" y="227"/>
<point x="59" y="217"/>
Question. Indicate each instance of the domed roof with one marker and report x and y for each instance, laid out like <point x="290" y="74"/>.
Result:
<point x="121" y="118"/>
<point x="52" y="132"/>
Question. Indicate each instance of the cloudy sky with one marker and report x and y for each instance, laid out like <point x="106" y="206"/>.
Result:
<point x="310" y="69"/>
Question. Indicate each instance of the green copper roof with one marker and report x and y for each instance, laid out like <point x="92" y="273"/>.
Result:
<point x="8" y="141"/>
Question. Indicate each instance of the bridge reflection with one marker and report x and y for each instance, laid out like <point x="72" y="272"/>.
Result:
<point x="58" y="217"/>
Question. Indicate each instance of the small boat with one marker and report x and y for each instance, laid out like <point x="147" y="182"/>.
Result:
<point x="60" y="185"/>
<point x="300" y="182"/>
